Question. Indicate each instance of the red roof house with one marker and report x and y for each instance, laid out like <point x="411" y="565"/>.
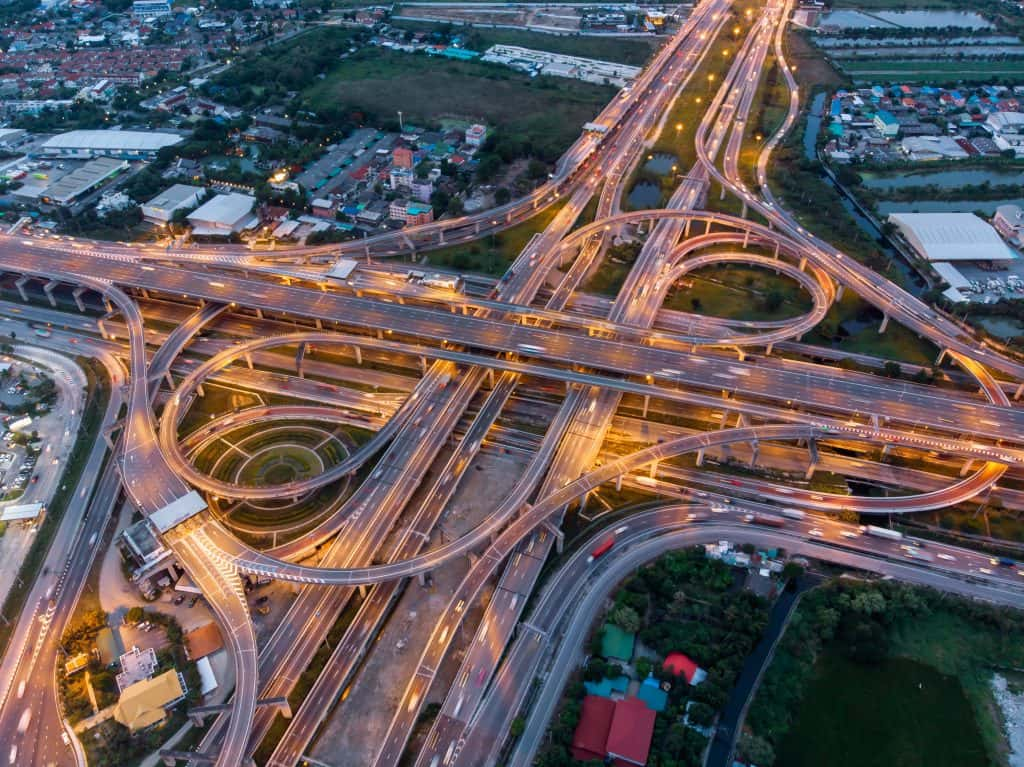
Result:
<point x="629" y="738"/>
<point x="681" y="665"/>
<point x="588" y="742"/>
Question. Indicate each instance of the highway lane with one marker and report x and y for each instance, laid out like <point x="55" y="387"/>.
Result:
<point x="831" y="389"/>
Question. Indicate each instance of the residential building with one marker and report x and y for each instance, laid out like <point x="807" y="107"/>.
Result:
<point x="324" y="207"/>
<point x="886" y="123"/>
<point x="136" y="666"/>
<point x="401" y="178"/>
<point x="475" y="135"/>
<point x="203" y="641"/>
<point x="421" y="189"/>
<point x="145" y="703"/>
<point x="151" y="8"/>
<point x="224" y="215"/>
<point x="402" y="157"/>
<point x="412" y="213"/>
<point x="681" y="665"/>
<point x="160" y="210"/>
<point x="616" y="731"/>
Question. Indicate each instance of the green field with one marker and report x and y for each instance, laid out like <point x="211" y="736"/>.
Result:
<point x="547" y="112"/>
<point x="915" y="70"/>
<point x="899" y="713"/>
<point x="740" y="292"/>
<point x="623" y="50"/>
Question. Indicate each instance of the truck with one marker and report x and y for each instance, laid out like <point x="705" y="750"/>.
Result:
<point x="768" y="520"/>
<point x="602" y="548"/>
<point x="884" y="532"/>
<point x="444" y="282"/>
<point x="794" y="513"/>
<point x="414" y="276"/>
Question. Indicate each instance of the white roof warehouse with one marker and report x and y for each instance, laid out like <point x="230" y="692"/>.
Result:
<point x="126" y="144"/>
<point x="951" y="237"/>
<point x="223" y="215"/>
<point x="67" y="189"/>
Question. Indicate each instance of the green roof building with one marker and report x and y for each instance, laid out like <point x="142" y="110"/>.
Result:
<point x="616" y="643"/>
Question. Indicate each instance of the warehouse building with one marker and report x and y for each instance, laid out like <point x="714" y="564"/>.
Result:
<point x="160" y="210"/>
<point x="71" y="187"/>
<point x="951" y="237"/>
<point x="223" y="215"/>
<point x="125" y="144"/>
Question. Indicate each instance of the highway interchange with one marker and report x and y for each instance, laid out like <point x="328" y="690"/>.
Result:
<point x="486" y="350"/>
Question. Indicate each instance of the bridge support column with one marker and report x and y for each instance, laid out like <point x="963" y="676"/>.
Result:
<point x="77" y="294"/>
<point x="707" y="226"/>
<point x="686" y="228"/>
<point x="103" y="330"/>
<point x="380" y="334"/>
<point x="755" y="450"/>
<point x="552" y="528"/>
<point x="812" y="450"/>
<point x="840" y="289"/>
<point x="740" y="354"/>
<point x="259" y="313"/>
<point x="647" y="403"/>
<point x="966" y="468"/>
<point x="440" y="237"/>
<point x="362" y="591"/>
<point x="803" y="263"/>
<point x="48" y="290"/>
<point x="359" y="354"/>
<point x="300" y="357"/>
<point x="884" y="325"/>
<point x="490" y="377"/>
<point x="941" y="357"/>
<point x="874" y="421"/>
<point x="1020" y="390"/>
<point x="741" y="420"/>
<point x="169" y="380"/>
<point x="886" y="449"/>
<point x="700" y="457"/>
<point x="248" y="360"/>
<point x="582" y="501"/>
<point x="744" y="215"/>
<point x="654" y="470"/>
<point x="776" y="253"/>
<point x="421" y="578"/>
<point x="618" y="483"/>
<point x="476" y="228"/>
<point x="319" y="324"/>
<point x="768" y="350"/>
<point x="200" y="390"/>
<point x="423" y="365"/>
<point x="20" y="285"/>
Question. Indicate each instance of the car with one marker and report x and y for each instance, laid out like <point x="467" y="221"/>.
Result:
<point x="64" y="737"/>
<point x="984" y="570"/>
<point x="816" y="533"/>
<point x="947" y="557"/>
<point x="848" y="534"/>
<point x="179" y="599"/>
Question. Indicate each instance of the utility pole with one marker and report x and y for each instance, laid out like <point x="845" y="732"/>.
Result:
<point x="401" y="126"/>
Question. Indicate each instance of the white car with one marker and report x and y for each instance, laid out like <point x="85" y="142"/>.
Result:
<point x="816" y="533"/>
<point x="947" y="557"/>
<point x="848" y="534"/>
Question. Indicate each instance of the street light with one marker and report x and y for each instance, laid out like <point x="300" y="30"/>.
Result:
<point x="679" y="127"/>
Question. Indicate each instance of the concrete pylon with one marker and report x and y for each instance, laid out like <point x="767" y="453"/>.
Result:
<point x="48" y="289"/>
<point x="755" y="451"/>
<point x="812" y="450"/>
<point x="1020" y="391"/>
<point x="77" y="294"/>
<point x="248" y="360"/>
<point x="103" y="330"/>
<point x="965" y="469"/>
<point x="647" y="404"/>
<point x="20" y="285"/>
<point x="552" y="528"/>
<point x="941" y="357"/>
<point x="840" y="289"/>
<point x="358" y="353"/>
<point x="618" y="483"/>
<point x="300" y="358"/>
<point x="700" y="457"/>
<point x="884" y="325"/>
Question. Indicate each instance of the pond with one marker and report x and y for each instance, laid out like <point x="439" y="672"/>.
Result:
<point x="946" y="179"/>
<point x="904" y="19"/>
<point x="645" y="195"/>
<point x="661" y="163"/>
<point x="1000" y="327"/>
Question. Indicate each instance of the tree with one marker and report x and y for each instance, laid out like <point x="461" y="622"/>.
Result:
<point x="455" y="207"/>
<point x="518" y="727"/>
<point x="135" y="615"/>
<point x="626" y="618"/>
<point x="502" y="195"/>
<point x="892" y="369"/>
<point x="643" y="667"/>
<point x="756" y="749"/>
